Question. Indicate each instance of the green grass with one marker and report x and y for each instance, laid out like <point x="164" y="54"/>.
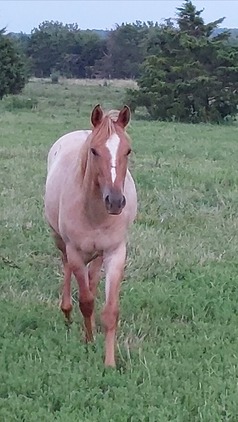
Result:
<point x="178" y="336"/>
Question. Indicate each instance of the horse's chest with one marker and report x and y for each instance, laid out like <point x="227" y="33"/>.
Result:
<point x="93" y="242"/>
<point x="97" y="240"/>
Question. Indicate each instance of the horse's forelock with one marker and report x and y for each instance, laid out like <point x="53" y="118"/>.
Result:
<point x="113" y="115"/>
<point x="107" y="126"/>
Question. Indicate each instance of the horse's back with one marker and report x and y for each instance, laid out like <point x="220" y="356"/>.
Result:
<point x="66" y="144"/>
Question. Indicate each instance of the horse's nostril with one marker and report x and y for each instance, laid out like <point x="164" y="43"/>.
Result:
<point x="115" y="202"/>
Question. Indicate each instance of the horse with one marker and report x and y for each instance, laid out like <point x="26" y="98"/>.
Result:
<point x="90" y="202"/>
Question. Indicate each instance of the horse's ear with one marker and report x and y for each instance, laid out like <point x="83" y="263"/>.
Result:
<point x="97" y="115"/>
<point x="124" y="116"/>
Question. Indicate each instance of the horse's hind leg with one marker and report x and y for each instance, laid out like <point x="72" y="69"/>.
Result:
<point x="66" y="301"/>
<point x="94" y="273"/>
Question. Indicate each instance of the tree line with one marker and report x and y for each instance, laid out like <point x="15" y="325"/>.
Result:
<point x="75" y="53"/>
<point x="186" y="70"/>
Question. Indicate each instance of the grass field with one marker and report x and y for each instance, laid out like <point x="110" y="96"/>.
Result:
<point x="178" y="335"/>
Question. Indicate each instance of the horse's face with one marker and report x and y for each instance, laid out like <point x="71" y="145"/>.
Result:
<point x="109" y="157"/>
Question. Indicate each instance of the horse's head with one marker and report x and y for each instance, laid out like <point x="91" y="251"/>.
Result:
<point x="109" y="150"/>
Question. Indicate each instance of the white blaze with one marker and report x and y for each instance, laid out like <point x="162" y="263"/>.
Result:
<point x="112" y="145"/>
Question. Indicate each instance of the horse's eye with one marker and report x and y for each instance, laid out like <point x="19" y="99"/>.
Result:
<point x="94" y="152"/>
<point x="128" y="152"/>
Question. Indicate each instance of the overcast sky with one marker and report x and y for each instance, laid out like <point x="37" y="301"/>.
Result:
<point x="23" y="16"/>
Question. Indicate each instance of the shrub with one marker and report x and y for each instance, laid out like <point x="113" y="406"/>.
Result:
<point x="54" y="77"/>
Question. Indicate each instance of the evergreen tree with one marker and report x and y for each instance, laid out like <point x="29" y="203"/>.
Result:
<point x="191" y="76"/>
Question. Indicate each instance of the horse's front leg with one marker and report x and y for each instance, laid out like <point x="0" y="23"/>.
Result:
<point x="114" y="267"/>
<point x="86" y="299"/>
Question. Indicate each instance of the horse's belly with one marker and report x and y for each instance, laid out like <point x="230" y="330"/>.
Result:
<point x="51" y="207"/>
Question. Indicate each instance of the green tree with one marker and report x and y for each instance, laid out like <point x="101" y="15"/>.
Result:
<point x="54" y="46"/>
<point x="79" y="61"/>
<point x="12" y="70"/>
<point x="22" y="41"/>
<point x="47" y="45"/>
<point x="191" y="75"/>
<point x="125" y="51"/>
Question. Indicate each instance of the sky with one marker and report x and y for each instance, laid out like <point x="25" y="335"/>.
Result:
<point x="23" y="16"/>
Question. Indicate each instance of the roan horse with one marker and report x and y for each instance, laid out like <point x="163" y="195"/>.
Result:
<point x="90" y="201"/>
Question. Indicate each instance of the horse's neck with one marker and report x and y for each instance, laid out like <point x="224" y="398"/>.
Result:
<point x="82" y="163"/>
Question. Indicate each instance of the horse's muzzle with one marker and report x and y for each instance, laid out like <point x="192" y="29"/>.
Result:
<point x="115" y="202"/>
